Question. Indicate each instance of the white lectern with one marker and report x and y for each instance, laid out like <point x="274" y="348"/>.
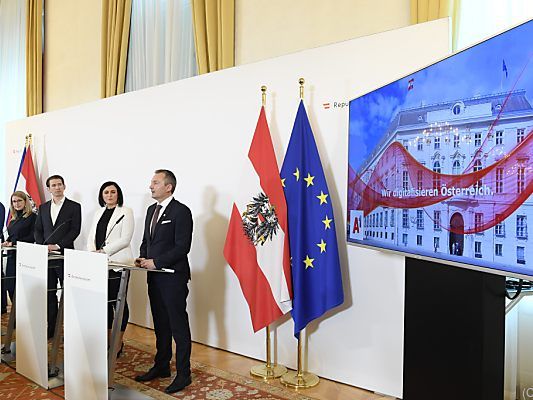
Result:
<point x="31" y="290"/>
<point x="85" y="325"/>
<point x="89" y="369"/>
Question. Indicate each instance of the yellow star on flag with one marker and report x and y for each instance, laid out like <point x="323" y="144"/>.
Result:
<point x="327" y="222"/>
<point x="323" y="198"/>
<point x="322" y="246"/>
<point x="297" y="174"/>
<point x="308" y="262"/>
<point x="309" y="179"/>
<point x="283" y="182"/>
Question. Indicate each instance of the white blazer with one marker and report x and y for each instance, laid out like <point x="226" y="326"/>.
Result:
<point x="117" y="245"/>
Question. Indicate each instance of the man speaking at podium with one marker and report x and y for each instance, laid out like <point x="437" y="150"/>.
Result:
<point x="58" y="224"/>
<point x="166" y="243"/>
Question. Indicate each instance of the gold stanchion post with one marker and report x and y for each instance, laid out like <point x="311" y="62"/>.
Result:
<point x="299" y="379"/>
<point x="267" y="370"/>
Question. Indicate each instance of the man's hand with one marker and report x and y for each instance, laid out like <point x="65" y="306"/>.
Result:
<point x="53" y="247"/>
<point x="148" y="263"/>
<point x="7" y="244"/>
<point x="138" y="262"/>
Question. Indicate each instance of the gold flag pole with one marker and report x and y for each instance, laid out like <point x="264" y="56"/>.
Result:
<point x="267" y="370"/>
<point x="299" y="379"/>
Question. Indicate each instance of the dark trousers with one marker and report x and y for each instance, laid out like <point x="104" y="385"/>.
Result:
<point x="3" y="295"/>
<point x="168" y="302"/>
<point x="113" y="287"/>
<point x="55" y="275"/>
<point x="10" y="274"/>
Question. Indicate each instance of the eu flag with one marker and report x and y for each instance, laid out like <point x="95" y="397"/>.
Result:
<point x="316" y="274"/>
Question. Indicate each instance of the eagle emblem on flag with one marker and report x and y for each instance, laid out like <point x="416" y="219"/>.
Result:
<point x="260" y="222"/>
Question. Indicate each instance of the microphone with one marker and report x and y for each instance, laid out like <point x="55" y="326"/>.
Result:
<point x="55" y="230"/>
<point x="113" y="227"/>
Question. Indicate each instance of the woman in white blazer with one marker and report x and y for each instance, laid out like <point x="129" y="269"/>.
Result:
<point x="111" y="232"/>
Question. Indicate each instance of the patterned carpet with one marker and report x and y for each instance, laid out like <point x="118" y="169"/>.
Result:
<point x="208" y="383"/>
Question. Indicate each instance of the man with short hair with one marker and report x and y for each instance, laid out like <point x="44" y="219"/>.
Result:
<point x="166" y="243"/>
<point x="58" y="224"/>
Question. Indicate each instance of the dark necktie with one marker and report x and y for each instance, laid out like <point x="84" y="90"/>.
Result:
<point x="154" y="220"/>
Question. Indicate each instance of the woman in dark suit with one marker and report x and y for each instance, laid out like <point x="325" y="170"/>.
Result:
<point x="111" y="232"/>
<point x="20" y="228"/>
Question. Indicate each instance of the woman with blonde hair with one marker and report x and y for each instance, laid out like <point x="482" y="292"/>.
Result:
<point x="19" y="229"/>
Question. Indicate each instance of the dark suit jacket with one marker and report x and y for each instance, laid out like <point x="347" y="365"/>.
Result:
<point x="64" y="231"/>
<point x="3" y="216"/>
<point x="171" y="241"/>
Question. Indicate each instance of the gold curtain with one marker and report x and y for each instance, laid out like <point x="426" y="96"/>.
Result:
<point x="214" y="34"/>
<point x="428" y="10"/>
<point x="115" y="39"/>
<point x="34" y="57"/>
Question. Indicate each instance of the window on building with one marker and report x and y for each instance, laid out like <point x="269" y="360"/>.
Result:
<point x="405" y="180"/>
<point x="392" y="218"/>
<point x="521" y="226"/>
<point x="420" y="144"/>
<point x="405" y="239"/>
<point x="419" y="219"/>
<point x="520" y="179"/>
<point x="456" y="141"/>
<point x="419" y="175"/>
<point x="385" y="235"/>
<point x="386" y="218"/>
<point x="419" y="240"/>
<point x="520" y="254"/>
<point x="436" y="178"/>
<point x="436" y="243"/>
<point x="456" y="109"/>
<point x="477" y="250"/>
<point x="456" y="167"/>
<point x="405" y="218"/>
<point x="499" y="228"/>
<point x="406" y="144"/>
<point x="499" y="137"/>
<point x="436" y="143"/>
<point x="478" y="222"/>
<point x="392" y="236"/>
<point x="478" y="167"/>
<point x="381" y="219"/>
<point x="520" y="135"/>
<point x="499" y="180"/>
<point x="498" y="249"/>
<point x="477" y="139"/>
<point x="436" y="220"/>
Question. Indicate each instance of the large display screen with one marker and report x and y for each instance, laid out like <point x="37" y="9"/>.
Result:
<point x="441" y="161"/>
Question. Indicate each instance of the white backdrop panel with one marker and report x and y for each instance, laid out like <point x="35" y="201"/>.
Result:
<point x="201" y="128"/>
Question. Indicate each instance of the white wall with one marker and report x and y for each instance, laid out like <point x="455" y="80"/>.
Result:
<point x="201" y="128"/>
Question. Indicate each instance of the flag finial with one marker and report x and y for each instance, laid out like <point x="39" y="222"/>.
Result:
<point x="263" y="95"/>
<point x="301" y="81"/>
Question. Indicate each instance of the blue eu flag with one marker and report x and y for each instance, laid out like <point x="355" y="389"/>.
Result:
<point x="316" y="274"/>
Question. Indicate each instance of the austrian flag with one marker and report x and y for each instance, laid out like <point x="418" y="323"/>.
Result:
<point x="257" y="243"/>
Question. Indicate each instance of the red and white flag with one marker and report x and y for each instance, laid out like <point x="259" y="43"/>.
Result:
<point x="257" y="242"/>
<point x="411" y="84"/>
<point x="26" y="178"/>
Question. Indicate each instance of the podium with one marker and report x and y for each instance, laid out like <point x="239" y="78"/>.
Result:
<point x="31" y="314"/>
<point x="89" y="370"/>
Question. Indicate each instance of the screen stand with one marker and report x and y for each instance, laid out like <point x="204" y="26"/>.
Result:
<point x="454" y="341"/>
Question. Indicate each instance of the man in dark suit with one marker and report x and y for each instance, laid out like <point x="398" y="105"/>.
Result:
<point x="3" y="295"/>
<point x="58" y="224"/>
<point x="166" y="243"/>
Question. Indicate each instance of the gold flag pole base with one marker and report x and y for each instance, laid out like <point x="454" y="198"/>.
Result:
<point x="302" y="380"/>
<point x="265" y="371"/>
